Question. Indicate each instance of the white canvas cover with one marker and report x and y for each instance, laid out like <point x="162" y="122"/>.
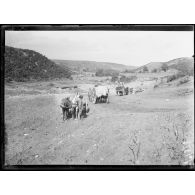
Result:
<point x="101" y="90"/>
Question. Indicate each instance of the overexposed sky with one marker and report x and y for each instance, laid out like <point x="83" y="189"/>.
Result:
<point x="134" y="48"/>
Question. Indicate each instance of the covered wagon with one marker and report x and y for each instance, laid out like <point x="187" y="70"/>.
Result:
<point x="121" y="90"/>
<point x="98" y="94"/>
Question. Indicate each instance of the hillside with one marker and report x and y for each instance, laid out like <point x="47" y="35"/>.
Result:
<point x="91" y="66"/>
<point x="152" y="65"/>
<point x="185" y="65"/>
<point x="24" y="65"/>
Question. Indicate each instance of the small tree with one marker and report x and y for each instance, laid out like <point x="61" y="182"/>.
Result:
<point x="164" y="67"/>
<point x="154" y="70"/>
<point x="145" y="69"/>
<point x="99" y="72"/>
<point x="114" y="78"/>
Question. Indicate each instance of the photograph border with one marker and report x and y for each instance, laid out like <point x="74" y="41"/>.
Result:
<point x="81" y="27"/>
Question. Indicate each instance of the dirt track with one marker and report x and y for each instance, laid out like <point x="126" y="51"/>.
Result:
<point x="37" y="135"/>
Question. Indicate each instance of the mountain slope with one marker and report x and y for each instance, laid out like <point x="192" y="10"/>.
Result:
<point x="185" y="65"/>
<point x="24" y="65"/>
<point x="91" y="66"/>
<point x="152" y="65"/>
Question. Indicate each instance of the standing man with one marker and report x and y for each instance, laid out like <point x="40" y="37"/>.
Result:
<point x="75" y="106"/>
<point x="66" y="106"/>
<point x="80" y="106"/>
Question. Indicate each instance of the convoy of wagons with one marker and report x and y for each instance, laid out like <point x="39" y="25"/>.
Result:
<point x="100" y="94"/>
<point x="97" y="94"/>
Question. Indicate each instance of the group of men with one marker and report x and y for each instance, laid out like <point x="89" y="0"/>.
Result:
<point x="75" y="108"/>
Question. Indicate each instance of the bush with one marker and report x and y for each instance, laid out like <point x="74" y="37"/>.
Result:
<point x="123" y="79"/>
<point x="164" y="67"/>
<point x="9" y="80"/>
<point x="127" y="79"/>
<point x="175" y="76"/>
<point x="145" y="69"/>
<point x="128" y="71"/>
<point x="114" y="78"/>
<point x="154" y="70"/>
<point x="50" y="85"/>
<point x="99" y="72"/>
<point x="184" y="80"/>
<point x="106" y="72"/>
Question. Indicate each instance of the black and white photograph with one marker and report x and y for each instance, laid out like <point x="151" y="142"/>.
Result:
<point x="120" y="96"/>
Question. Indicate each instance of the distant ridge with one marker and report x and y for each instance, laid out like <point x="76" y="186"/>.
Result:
<point x="184" y="64"/>
<point x="91" y="66"/>
<point x="25" y="65"/>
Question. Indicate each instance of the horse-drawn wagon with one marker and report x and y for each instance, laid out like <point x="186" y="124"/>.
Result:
<point x="121" y="90"/>
<point x="99" y="94"/>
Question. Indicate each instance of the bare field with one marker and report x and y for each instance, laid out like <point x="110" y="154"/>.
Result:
<point x="154" y="127"/>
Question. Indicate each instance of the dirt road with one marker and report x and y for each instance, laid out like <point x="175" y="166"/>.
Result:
<point x="37" y="135"/>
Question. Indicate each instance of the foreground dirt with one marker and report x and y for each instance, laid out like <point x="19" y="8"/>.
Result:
<point x="156" y="126"/>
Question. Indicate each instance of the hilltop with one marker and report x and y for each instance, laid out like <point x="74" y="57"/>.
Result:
<point x="91" y="66"/>
<point x="185" y="65"/>
<point x="25" y="65"/>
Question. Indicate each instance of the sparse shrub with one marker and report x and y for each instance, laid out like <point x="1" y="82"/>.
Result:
<point x="21" y="79"/>
<point x="127" y="79"/>
<point x="9" y="80"/>
<point x="106" y="72"/>
<point x="175" y="76"/>
<point x="183" y="80"/>
<point x="171" y="78"/>
<point x="114" y="78"/>
<point x="99" y="72"/>
<point x="50" y="84"/>
<point x="154" y="70"/>
<point x="157" y="153"/>
<point x="174" y="139"/>
<point x="134" y="146"/>
<point x="145" y="69"/>
<point x="128" y="71"/>
<point x="164" y="67"/>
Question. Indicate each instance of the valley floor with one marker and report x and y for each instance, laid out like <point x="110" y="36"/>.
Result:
<point x="151" y="128"/>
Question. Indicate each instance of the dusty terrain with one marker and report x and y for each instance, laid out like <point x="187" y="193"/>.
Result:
<point x="154" y="127"/>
